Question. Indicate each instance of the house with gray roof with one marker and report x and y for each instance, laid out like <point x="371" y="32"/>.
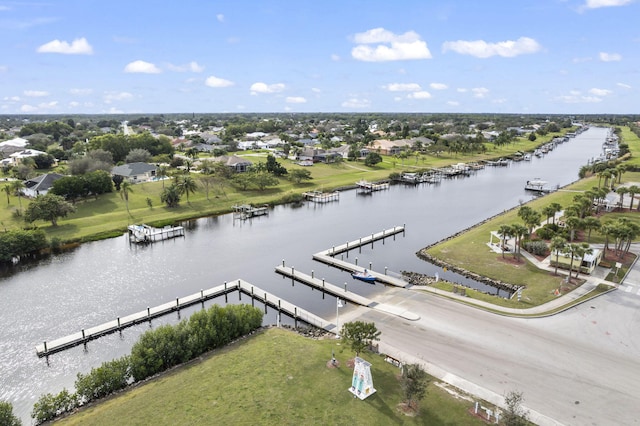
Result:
<point x="136" y="172"/>
<point x="40" y="185"/>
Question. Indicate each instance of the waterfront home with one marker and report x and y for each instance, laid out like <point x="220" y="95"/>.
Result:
<point x="40" y="185"/>
<point x="135" y="172"/>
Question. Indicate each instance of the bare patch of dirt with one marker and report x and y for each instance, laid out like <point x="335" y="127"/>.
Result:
<point x="407" y="409"/>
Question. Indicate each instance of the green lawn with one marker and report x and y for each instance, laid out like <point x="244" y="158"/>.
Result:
<point x="107" y="216"/>
<point x="274" y="377"/>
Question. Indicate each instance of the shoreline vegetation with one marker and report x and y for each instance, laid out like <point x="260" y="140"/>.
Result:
<point x="107" y="216"/>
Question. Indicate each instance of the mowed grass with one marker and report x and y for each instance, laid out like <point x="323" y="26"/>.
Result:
<point x="469" y="250"/>
<point x="108" y="216"/>
<point x="275" y="377"/>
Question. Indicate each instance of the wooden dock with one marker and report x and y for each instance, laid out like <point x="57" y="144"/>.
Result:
<point x="344" y="293"/>
<point x="148" y="234"/>
<point x="365" y="187"/>
<point x="268" y="299"/>
<point x="321" y="197"/>
<point x="247" y="211"/>
<point x="369" y="239"/>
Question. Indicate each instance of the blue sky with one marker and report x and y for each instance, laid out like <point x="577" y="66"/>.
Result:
<point x="464" y="56"/>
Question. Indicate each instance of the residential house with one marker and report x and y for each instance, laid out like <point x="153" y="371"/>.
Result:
<point x="136" y="172"/>
<point x="40" y="185"/>
<point x="238" y="164"/>
<point x="386" y="147"/>
<point x="27" y="153"/>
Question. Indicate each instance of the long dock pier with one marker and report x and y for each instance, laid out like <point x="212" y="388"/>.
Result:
<point x="85" y="335"/>
<point x="343" y="293"/>
<point x="369" y="239"/>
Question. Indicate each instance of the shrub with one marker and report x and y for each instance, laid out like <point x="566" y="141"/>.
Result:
<point x="110" y="377"/>
<point x="538" y="248"/>
<point x="50" y="406"/>
<point x="7" y="418"/>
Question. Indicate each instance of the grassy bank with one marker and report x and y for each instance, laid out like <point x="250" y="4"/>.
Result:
<point x="107" y="216"/>
<point x="273" y="377"/>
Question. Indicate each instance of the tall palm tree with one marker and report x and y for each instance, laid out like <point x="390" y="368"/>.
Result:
<point x="621" y="191"/>
<point x="125" y="188"/>
<point x="7" y="190"/>
<point x="17" y="186"/>
<point x="633" y="190"/>
<point x="161" y="173"/>
<point x="557" y="245"/>
<point x="518" y="231"/>
<point x="590" y="223"/>
<point x="505" y="232"/>
<point x="188" y="185"/>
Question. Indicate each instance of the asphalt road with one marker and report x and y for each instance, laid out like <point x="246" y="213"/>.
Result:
<point x="580" y="367"/>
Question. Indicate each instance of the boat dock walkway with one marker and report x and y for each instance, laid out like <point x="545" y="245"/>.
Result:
<point x="256" y="293"/>
<point x="345" y="294"/>
<point x="368" y="187"/>
<point x="247" y="211"/>
<point x="148" y="234"/>
<point x="369" y="239"/>
<point x="321" y="197"/>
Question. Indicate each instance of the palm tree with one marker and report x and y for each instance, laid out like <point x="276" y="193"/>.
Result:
<point x="518" y="231"/>
<point x="505" y="232"/>
<point x="549" y="212"/>
<point x="187" y="185"/>
<point x="621" y="169"/>
<point x="633" y="190"/>
<point x="125" y="188"/>
<point x="17" y="186"/>
<point x="557" y="245"/>
<point x="573" y="224"/>
<point x="590" y="223"/>
<point x="161" y="173"/>
<point x="621" y="191"/>
<point x="581" y="251"/>
<point x="7" y="190"/>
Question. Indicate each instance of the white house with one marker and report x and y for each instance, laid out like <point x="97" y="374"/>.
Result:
<point x="135" y="172"/>
<point x="40" y="185"/>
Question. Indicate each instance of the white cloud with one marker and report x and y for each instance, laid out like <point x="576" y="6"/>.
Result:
<point x="480" y="92"/>
<point x="11" y="98"/>
<point x="402" y="87"/>
<point x="79" y="46"/>
<point x="624" y="86"/>
<point x="4" y="68"/>
<point x="438" y="86"/>
<point x="295" y="100"/>
<point x="389" y="46"/>
<point x="213" y="81"/>
<point x="461" y="90"/>
<point x="35" y="93"/>
<point x="44" y="106"/>
<point x="260" y="87"/>
<point x="595" y="4"/>
<point x="74" y="104"/>
<point x="117" y="96"/>
<point x="453" y="103"/>
<point x="580" y="60"/>
<point x="356" y="103"/>
<point x="482" y="49"/>
<point x="599" y="92"/>
<point x="576" y="97"/>
<point x="419" y="95"/>
<point x="335" y="57"/>
<point x="192" y="66"/>
<point x="609" y="57"/>
<point x="316" y="90"/>
<point x="220" y="17"/>
<point x="142" y="67"/>
<point x="81" y="92"/>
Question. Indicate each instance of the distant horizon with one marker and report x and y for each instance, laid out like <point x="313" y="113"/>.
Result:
<point x="568" y="57"/>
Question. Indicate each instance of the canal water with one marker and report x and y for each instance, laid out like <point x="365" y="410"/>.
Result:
<point x="100" y="281"/>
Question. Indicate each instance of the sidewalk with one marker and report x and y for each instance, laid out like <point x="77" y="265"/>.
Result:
<point x="549" y="308"/>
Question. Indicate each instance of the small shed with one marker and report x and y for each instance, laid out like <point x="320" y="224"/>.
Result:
<point x="589" y="262"/>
